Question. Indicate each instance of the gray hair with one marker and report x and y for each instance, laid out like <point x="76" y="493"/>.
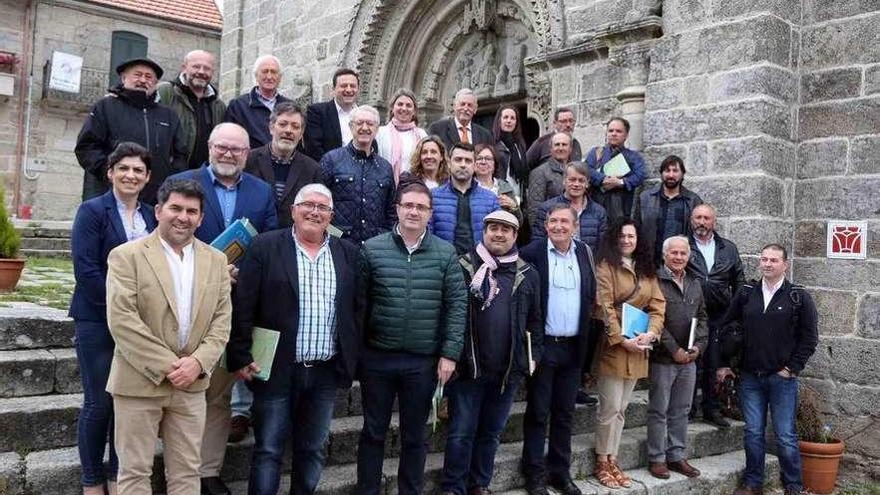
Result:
<point x="579" y="168"/>
<point x="224" y="125"/>
<point x="676" y="238"/>
<point x="367" y="109"/>
<point x="316" y="188"/>
<point x="262" y="59"/>
<point x="461" y="93"/>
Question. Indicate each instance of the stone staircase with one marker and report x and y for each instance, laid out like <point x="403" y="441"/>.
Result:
<point x="45" y="241"/>
<point x="40" y="400"/>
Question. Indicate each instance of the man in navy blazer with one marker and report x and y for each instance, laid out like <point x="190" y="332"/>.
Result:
<point x="230" y="194"/>
<point x="460" y="128"/>
<point x="327" y="122"/>
<point x="568" y="291"/>
<point x="301" y="283"/>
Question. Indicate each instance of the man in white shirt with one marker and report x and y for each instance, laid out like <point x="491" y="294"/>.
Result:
<point x="169" y="310"/>
<point x="327" y="123"/>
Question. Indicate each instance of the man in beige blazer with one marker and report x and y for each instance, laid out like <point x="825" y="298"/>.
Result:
<point x="169" y="311"/>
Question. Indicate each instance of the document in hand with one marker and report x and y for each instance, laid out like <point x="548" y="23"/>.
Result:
<point x="235" y="240"/>
<point x="265" y="343"/>
<point x="692" y="336"/>
<point x="634" y="322"/>
<point x="616" y="166"/>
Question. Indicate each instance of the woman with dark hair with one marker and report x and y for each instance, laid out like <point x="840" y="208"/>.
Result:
<point x="101" y="224"/>
<point x="398" y="138"/>
<point x="485" y="164"/>
<point x="511" y="147"/>
<point x="428" y="162"/>
<point x="625" y="274"/>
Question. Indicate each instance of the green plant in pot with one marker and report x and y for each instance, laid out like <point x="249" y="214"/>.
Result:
<point x="820" y="450"/>
<point x="10" y="264"/>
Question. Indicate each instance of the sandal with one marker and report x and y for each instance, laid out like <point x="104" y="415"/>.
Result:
<point x="604" y="472"/>
<point x="621" y="477"/>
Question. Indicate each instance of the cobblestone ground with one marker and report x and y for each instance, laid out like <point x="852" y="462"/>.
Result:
<point x="44" y="282"/>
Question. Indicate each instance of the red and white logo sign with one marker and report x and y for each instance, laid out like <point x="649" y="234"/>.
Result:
<point x="847" y="239"/>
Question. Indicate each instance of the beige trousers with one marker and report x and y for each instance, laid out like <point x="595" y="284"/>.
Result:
<point x="218" y="422"/>
<point x="614" y="394"/>
<point x="179" y="418"/>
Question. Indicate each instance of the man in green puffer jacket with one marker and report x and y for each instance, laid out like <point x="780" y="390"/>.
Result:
<point x="414" y="330"/>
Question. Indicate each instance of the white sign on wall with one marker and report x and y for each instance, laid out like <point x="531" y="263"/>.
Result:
<point x="66" y="71"/>
<point x="847" y="240"/>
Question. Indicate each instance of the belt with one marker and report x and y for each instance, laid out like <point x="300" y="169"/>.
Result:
<point x="312" y="364"/>
<point x="559" y="340"/>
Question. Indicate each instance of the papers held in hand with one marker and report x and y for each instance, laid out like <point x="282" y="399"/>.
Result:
<point x="235" y="240"/>
<point x="634" y="323"/>
<point x="693" y="334"/>
<point x="616" y="166"/>
<point x="263" y="346"/>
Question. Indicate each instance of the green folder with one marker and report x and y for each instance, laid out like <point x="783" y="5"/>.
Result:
<point x="616" y="166"/>
<point x="265" y="342"/>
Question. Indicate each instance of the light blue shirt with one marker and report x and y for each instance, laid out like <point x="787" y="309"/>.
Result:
<point x="316" y="332"/>
<point x="226" y="196"/>
<point x="708" y="252"/>
<point x="268" y="102"/>
<point x="138" y="226"/>
<point x="563" y="292"/>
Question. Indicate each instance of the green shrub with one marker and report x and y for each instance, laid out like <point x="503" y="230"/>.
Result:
<point x="9" y="237"/>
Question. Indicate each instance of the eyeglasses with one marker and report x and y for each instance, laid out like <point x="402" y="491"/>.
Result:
<point x="415" y="206"/>
<point x="236" y="151"/>
<point x="310" y="206"/>
<point x="484" y="158"/>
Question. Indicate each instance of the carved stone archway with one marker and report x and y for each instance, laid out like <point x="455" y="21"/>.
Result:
<point x="435" y="47"/>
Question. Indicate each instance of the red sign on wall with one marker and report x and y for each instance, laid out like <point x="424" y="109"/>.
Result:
<point x="847" y="239"/>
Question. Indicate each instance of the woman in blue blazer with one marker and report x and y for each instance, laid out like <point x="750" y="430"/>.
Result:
<point x="101" y="224"/>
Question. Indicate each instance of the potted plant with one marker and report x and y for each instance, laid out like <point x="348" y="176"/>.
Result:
<point x="820" y="450"/>
<point x="10" y="264"/>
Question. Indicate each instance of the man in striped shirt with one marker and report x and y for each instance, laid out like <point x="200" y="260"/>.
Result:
<point x="301" y="283"/>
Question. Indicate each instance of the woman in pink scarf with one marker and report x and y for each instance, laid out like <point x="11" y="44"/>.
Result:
<point x="398" y="138"/>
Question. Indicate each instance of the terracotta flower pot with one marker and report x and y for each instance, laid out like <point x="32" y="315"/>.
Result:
<point x="819" y="465"/>
<point x="10" y="272"/>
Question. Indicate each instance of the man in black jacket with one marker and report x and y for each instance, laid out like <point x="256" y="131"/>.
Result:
<point x="503" y="342"/>
<point x="303" y="286"/>
<point x="673" y="372"/>
<point x="130" y="113"/>
<point x="281" y="163"/>
<point x="460" y="127"/>
<point x="716" y="264"/>
<point x="779" y="323"/>
<point x="327" y="123"/>
<point x="252" y="109"/>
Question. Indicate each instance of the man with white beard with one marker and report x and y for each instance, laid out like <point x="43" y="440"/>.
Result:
<point x="282" y="163"/>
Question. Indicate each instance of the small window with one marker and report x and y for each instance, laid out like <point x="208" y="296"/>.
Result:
<point x="125" y="46"/>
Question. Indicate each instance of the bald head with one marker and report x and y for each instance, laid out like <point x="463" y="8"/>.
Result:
<point x="198" y="70"/>
<point x="228" y="153"/>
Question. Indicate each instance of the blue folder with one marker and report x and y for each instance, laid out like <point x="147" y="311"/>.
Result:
<point x="635" y="321"/>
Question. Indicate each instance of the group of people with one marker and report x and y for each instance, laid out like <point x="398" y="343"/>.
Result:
<point x="450" y="261"/>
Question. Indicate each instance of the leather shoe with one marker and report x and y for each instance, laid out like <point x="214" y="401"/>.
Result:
<point x="682" y="467"/>
<point x="214" y="486"/>
<point x="716" y="419"/>
<point x="658" y="470"/>
<point x="564" y="485"/>
<point x="747" y="490"/>
<point x="536" y="488"/>
<point x="239" y="430"/>
<point x="584" y="398"/>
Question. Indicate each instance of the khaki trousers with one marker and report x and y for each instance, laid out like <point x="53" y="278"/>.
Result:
<point x="179" y="418"/>
<point x="218" y="422"/>
<point x="614" y="394"/>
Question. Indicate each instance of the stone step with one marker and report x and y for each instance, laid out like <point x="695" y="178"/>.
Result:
<point x="46" y="243"/>
<point x="38" y="423"/>
<point x="57" y="471"/>
<point x="62" y="231"/>
<point x="39" y="372"/>
<point x="31" y="326"/>
<point x="63" y="254"/>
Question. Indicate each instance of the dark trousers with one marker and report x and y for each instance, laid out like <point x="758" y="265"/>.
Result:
<point x="479" y="409"/>
<point x="707" y="365"/>
<point x="411" y="378"/>
<point x="308" y="406"/>
<point x="552" y="391"/>
<point x="94" y="352"/>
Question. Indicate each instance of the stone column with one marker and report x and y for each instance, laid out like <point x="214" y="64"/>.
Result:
<point x="633" y="59"/>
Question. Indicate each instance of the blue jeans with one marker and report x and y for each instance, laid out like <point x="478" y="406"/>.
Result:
<point x="411" y="378"/>
<point x="242" y="400"/>
<point x="479" y="410"/>
<point x="781" y="394"/>
<point x="94" y="352"/>
<point x="308" y="406"/>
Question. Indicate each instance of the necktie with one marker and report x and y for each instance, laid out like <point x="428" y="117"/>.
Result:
<point x="463" y="132"/>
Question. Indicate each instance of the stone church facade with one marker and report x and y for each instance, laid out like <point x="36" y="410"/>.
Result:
<point x="774" y="105"/>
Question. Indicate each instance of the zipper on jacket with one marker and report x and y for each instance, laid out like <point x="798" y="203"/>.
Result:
<point x="513" y="332"/>
<point x="147" y="130"/>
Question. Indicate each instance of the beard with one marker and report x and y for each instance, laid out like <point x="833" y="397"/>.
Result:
<point x="672" y="183"/>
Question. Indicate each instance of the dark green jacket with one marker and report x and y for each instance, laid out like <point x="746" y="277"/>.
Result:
<point x="171" y="95"/>
<point x="416" y="302"/>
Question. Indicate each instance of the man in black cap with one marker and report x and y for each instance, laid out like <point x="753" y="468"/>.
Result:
<point x="130" y="113"/>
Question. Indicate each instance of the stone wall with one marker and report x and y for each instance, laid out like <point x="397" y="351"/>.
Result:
<point x="53" y="184"/>
<point x="11" y="40"/>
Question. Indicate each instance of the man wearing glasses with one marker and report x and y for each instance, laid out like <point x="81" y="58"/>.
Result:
<point x="361" y="181"/>
<point x="413" y="334"/>
<point x="301" y="283"/>
<point x="230" y="194"/>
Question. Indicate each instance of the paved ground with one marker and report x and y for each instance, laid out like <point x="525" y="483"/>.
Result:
<point x="46" y="282"/>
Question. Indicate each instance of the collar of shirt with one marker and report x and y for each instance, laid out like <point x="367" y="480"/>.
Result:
<point x="568" y="254"/>
<point x="415" y="246"/>
<point x="269" y="102"/>
<point x="187" y="250"/>
<point x="771" y="289"/>
<point x="325" y="245"/>
<point x="217" y="183"/>
<point x="459" y="125"/>
<point x="678" y="278"/>
<point x="710" y="242"/>
<point x="341" y="111"/>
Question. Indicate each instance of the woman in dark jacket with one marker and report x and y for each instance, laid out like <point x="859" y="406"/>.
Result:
<point x="485" y="166"/>
<point x="511" y="147"/>
<point x="101" y="224"/>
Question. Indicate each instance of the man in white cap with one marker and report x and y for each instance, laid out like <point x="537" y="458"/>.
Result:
<point x="504" y="308"/>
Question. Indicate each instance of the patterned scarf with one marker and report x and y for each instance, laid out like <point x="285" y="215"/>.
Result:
<point x="397" y="129"/>
<point x="484" y="286"/>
